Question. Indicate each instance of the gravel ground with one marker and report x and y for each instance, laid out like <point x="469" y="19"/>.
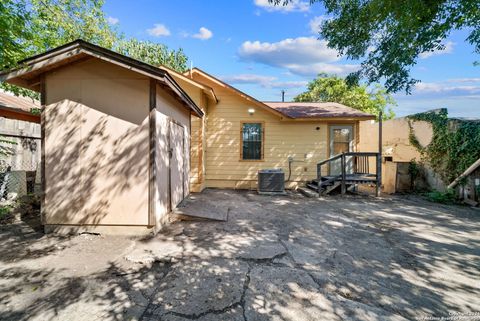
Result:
<point x="276" y="258"/>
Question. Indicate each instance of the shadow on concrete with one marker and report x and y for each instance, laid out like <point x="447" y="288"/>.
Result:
<point x="277" y="258"/>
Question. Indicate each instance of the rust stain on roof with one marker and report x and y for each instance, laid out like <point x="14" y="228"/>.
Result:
<point x="17" y="103"/>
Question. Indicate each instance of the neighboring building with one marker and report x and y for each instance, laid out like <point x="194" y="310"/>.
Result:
<point x="398" y="152"/>
<point x="19" y="108"/>
<point x="116" y="139"/>
<point x="19" y="146"/>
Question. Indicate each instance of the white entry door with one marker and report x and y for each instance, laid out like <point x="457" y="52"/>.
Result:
<point x="177" y="164"/>
<point x="341" y="141"/>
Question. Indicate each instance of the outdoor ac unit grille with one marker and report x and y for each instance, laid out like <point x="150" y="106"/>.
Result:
<point x="271" y="181"/>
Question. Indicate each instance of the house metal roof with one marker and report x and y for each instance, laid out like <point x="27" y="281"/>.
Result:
<point x="306" y="110"/>
<point x="14" y="107"/>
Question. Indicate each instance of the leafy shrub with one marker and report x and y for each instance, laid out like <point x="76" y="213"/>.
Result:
<point x="5" y="213"/>
<point x="447" y="197"/>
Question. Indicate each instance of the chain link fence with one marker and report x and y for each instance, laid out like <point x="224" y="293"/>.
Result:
<point x="19" y="160"/>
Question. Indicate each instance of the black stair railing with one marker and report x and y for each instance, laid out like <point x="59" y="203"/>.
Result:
<point x="354" y="169"/>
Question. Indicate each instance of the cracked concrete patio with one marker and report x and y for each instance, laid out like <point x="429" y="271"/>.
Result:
<point x="276" y="258"/>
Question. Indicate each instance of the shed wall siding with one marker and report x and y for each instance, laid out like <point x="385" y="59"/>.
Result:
<point x="197" y="139"/>
<point x="96" y="145"/>
<point x="168" y="109"/>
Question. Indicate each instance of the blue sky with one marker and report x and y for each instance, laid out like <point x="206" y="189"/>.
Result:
<point x="262" y="49"/>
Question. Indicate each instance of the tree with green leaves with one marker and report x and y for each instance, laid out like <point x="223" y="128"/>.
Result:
<point x="327" y="88"/>
<point x="153" y="53"/>
<point x="388" y="36"/>
<point x="30" y="27"/>
<point x="14" y="31"/>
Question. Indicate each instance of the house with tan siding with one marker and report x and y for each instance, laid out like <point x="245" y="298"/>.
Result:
<point x="124" y="142"/>
<point x="292" y="136"/>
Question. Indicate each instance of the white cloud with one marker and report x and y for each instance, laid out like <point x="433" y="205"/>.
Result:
<point x="306" y="56"/>
<point x="263" y="81"/>
<point x="289" y="84"/>
<point x="448" y="48"/>
<point x="113" y="20"/>
<point x="464" y="80"/>
<point x="443" y="88"/>
<point x="248" y="79"/>
<point x="158" y="30"/>
<point x="313" y="70"/>
<point x="293" y="5"/>
<point x="203" y="34"/>
<point x="316" y="23"/>
<point x="302" y="49"/>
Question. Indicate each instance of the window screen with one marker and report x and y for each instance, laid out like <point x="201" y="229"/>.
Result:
<point x="252" y="136"/>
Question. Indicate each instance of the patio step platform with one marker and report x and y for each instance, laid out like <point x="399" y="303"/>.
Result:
<point x="191" y="209"/>
<point x="307" y="192"/>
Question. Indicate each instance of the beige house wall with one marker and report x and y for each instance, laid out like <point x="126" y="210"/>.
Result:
<point x="168" y="110"/>
<point x="97" y="149"/>
<point x="197" y="138"/>
<point x="395" y="138"/>
<point x="96" y="145"/>
<point x="396" y="144"/>
<point x="298" y="139"/>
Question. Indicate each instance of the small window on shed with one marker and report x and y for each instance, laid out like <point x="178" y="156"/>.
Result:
<point x="252" y="136"/>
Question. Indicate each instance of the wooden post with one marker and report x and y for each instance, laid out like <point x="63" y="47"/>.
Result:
<point x="379" y="156"/>
<point x="319" y="179"/>
<point x="344" y="187"/>
<point x="43" y="104"/>
<point x="152" y="167"/>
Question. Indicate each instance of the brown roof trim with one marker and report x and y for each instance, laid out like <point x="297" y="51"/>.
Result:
<point x="15" y="107"/>
<point x="78" y="47"/>
<point x="18" y="114"/>
<point x="208" y="90"/>
<point x="239" y="92"/>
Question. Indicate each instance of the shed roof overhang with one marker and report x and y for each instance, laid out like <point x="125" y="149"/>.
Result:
<point x="28" y="74"/>
<point x="208" y="91"/>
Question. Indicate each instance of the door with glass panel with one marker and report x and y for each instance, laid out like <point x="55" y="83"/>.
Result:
<point x="341" y="141"/>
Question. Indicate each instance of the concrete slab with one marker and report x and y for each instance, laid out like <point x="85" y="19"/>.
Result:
<point x="267" y="251"/>
<point x="235" y="314"/>
<point x="195" y="287"/>
<point x="197" y="207"/>
<point x="276" y="258"/>
<point x="282" y="293"/>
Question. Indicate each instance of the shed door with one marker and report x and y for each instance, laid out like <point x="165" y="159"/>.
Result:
<point x="341" y="141"/>
<point x="177" y="164"/>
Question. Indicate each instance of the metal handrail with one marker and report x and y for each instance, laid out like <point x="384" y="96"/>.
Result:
<point x="361" y="166"/>
<point x="329" y="159"/>
<point x="347" y="154"/>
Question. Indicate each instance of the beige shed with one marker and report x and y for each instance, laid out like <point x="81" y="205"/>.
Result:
<point x="116" y="131"/>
